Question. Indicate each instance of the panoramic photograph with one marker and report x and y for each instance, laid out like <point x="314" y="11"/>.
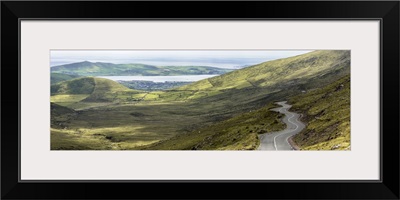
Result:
<point x="268" y="100"/>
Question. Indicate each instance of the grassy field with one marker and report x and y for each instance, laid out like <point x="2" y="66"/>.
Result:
<point x="327" y="113"/>
<point x="237" y="133"/>
<point x="127" y="126"/>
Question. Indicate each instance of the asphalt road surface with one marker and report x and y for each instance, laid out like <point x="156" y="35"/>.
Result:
<point x="278" y="141"/>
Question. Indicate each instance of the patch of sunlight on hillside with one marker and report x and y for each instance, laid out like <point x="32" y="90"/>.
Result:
<point x="201" y="94"/>
<point x="152" y="96"/>
<point x="121" y="137"/>
<point x="199" y="85"/>
<point x="70" y="98"/>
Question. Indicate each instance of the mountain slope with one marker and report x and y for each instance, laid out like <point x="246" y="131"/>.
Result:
<point x="109" y="69"/>
<point x="83" y="85"/>
<point x="107" y="90"/>
<point x="57" y="77"/>
<point x="59" y="115"/>
<point x="90" y="89"/>
<point x="327" y="114"/>
<point x="281" y="72"/>
<point x="57" y="110"/>
<point x="252" y="87"/>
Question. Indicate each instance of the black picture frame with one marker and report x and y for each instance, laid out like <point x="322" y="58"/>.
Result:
<point x="386" y="11"/>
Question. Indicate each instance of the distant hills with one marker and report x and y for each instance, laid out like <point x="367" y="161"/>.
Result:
<point x="87" y="68"/>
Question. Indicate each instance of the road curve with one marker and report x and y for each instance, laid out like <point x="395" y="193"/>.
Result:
<point x="278" y="141"/>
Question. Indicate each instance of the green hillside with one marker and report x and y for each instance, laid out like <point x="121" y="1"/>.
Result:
<point x="57" y="110"/>
<point x="60" y="114"/>
<point x="252" y="87"/>
<point x="109" y="69"/>
<point x="91" y="89"/>
<point x="57" y="77"/>
<point x="83" y="85"/>
<point x="279" y="73"/>
<point x="265" y="82"/>
<point x="327" y="114"/>
<point x="107" y="90"/>
<point x="238" y="133"/>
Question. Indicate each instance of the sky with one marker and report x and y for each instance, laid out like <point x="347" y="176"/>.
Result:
<point x="213" y="58"/>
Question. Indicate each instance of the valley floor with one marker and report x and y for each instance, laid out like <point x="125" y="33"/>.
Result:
<point x="124" y="126"/>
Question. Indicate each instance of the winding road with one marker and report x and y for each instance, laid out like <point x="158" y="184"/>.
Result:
<point x="278" y="141"/>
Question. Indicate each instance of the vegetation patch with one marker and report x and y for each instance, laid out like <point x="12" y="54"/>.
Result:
<point x="83" y="85"/>
<point x="57" y="77"/>
<point x="327" y="114"/>
<point x="238" y="133"/>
